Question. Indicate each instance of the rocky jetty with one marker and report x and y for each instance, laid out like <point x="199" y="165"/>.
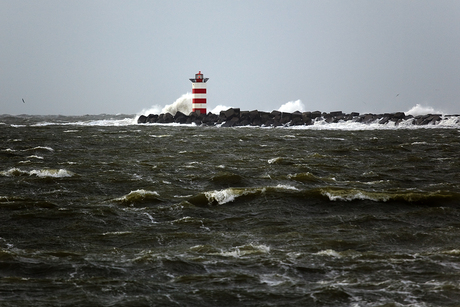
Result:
<point x="233" y="117"/>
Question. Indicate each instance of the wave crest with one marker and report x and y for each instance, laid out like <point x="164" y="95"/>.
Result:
<point x="337" y="194"/>
<point x="139" y="196"/>
<point x="42" y="173"/>
<point x="220" y="197"/>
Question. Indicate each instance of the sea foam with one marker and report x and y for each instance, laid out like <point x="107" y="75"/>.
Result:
<point x="42" y="173"/>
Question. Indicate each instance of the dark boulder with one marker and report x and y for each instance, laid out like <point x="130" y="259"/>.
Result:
<point x="152" y="118"/>
<point x="210" y="119"/>
<point x="180" y="118"/>
<point x="265" y="119"/>
<point x="231" y="123"/>
<point x="336" y="113"/>
<point x="230" y="113"/>
<point x="329" y="119"/>
<point x="285" y="117"/>
<point x="296" y="120"/>
<point x="142" y="119"/>
<point x="385" y="120"/>
<point x="165" y="118"/>
<point x="315" y="114"/>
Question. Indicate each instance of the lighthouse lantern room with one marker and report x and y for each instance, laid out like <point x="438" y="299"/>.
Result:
<point x="199" y="93"/>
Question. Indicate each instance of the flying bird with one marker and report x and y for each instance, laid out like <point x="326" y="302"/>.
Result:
<point x="23" y="100"/>
<point x="397" y="95"/>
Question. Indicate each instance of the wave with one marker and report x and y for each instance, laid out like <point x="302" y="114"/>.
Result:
<point x="422" y="110"/>
<point x="237" y="251"/>
<point x="82" y="120"/>
<point x="304" y="177"/>
<point x="18" y="202"/>
<point x="447" y="122"/>
<point x="98" y="122"/>
<point x="139" y="197"/>
<point x="220" y="197"/>
<point x="292" y="106"/>
<point x="45" y="148"/>
<point x="333" y="194"/>
<point x="246" y="250"/>
<point x="342" y="194"/>
<point x="42" y="173"/>
<point x="182" y="104"/>
<point x="35" y="157"/>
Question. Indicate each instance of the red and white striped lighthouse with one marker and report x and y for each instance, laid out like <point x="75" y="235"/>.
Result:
<point x="199" y="93"/>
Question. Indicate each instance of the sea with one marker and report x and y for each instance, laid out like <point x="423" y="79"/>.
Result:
<point x="98" y="210"/>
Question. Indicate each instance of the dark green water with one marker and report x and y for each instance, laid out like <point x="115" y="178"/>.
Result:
<point x="97" y="211"/>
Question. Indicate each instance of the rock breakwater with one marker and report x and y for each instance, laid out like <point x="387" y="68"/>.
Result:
<point x="234" y="117"/>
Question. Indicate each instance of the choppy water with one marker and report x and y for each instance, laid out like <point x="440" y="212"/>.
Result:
<point x="99" y="211"/>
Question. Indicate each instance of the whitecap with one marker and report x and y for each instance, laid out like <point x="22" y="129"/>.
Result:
<point x="320" y="124"/>
<point x="349" y="195"/>
<point x="137" y="195"/>
<point x="42" y="148"/>
<point x="286" y="187"/>
<point x="35" y="157"/>
<point x="13" y="172"/>
<point x="151" y="218"/>
<point x="117" y="233"/>
<point x="328" y="252"/>
<point x="229" y="195"/>
<point x="100" y="122"/>
<point x="160" y="135"/>
<point x="274" y="280"/>
<point x="246" y="250"/>
<point x="55" y="173"/>
<point x="455" y="252"/>
<point x="222" y="196"/>
<point x="274" y="160"/>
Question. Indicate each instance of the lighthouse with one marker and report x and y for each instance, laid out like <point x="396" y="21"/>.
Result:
<point x="199" y="93"/>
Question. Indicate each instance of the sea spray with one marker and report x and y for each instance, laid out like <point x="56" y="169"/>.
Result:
<point x="422" y="110"/>
<point x="182" y="104"/>
<point x="292" y="106"/>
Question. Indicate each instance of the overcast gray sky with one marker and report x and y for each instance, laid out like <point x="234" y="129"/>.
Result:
<point x="92" y="57"/>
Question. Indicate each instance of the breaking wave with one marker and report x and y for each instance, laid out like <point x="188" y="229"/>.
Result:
<point x="182" y="104"/>
<point x="139" y="197"/>
<point x="338" y="194"/>
<point x="292" y="106"/>
<point x="230" y="195"/>
<point x="220" y="197"/>
<point x="42" y="173"/>
<point x="422" y="110"/>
